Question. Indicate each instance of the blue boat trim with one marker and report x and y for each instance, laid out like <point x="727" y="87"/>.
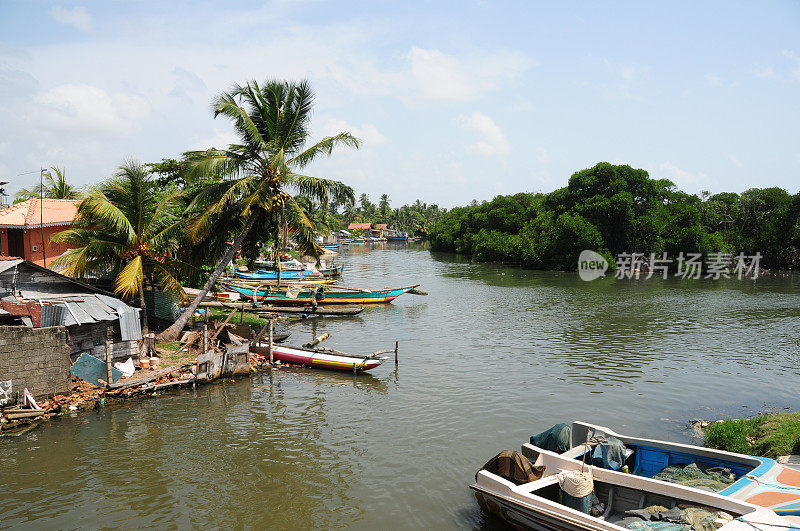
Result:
<point x="760" y="470"/>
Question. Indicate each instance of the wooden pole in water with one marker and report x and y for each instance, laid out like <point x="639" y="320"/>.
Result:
<point x="205" y="338"/>
<point x="269" y="345"/>
<point x="396" y="346"/>
<point x="109" y="335"/>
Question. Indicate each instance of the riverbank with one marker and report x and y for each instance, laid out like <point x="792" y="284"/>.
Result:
<point x="771" y="435"/>
<point x="84" y="396"/>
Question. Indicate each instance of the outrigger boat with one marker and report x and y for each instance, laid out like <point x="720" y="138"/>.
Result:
<point x="321" y="358"/>
<point x="623" y="501"/>
<point x="320" y="295"/>
<point x="759" y="480"/>
<point x="273" y="275"/>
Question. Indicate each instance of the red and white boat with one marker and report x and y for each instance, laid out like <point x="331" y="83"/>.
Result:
<point x="321" y="358"/>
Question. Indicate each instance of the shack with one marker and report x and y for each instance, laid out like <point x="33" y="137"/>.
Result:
<point x="35" y="297"/>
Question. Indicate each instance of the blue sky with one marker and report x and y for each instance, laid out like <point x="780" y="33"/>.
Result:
<point x="454" y="100"/>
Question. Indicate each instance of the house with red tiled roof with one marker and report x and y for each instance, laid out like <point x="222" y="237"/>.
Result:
<point x="359" y="226"/>
<point x="26" y="228"/>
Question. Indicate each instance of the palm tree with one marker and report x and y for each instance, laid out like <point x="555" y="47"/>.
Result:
<point x="272" y="122"/>
<point x="383" y="205"/>
<point x="320" y="216"/>
<point x="123" y="228"/>
<point x="53" y="188"/>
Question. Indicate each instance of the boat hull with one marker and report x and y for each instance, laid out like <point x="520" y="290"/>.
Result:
<point x="536" y="505"/>
<point x="273" y="275"/>
<point x="762" y="481"/>
<point x="328" y="297"/>
<point x="320" y="359"/>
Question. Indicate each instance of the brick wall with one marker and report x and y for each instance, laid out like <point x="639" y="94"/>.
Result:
<point x="36" y="358"/>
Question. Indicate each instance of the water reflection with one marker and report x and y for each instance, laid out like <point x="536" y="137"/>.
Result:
<point x="492" y="355"/>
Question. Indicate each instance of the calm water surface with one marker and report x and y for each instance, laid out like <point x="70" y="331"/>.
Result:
<point x="492" y="355"/>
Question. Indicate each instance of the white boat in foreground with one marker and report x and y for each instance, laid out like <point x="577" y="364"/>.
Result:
<point x="758" y="480"/>
<point x="536" y="505"/>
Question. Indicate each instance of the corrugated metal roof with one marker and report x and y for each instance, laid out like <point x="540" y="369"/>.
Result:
<point x="77" y="314"/>
<point x="8" y="264"/>
<point x="129" y="324"/>
<point x="53" y="315"/>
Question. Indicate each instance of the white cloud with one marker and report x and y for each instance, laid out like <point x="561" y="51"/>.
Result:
<point x="77" y="17"/>
<point x="88" y="108"/>
<point x="367" y="133"/>
<point x="491" y="140"/>
<point x="789" y="54"/>
<point x="683" y="179"/>
<point x="629" y="77"/>
<point x="440" y="76"/>
<point x="764" y="71"/>
<point x="221" y="139"/>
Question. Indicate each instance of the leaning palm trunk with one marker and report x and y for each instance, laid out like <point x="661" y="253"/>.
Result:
<point x="147" y="348"/>
<point x="143" y="306"/>
<point x="171" y="333"/>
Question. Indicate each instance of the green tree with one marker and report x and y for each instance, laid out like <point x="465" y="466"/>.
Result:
<point x="383" y="206"/>
<point x="272" y="121"/>
<point x="54" y="187"/>
<point x="124" y="228"/>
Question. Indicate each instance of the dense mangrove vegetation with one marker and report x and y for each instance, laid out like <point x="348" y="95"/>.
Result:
<point x="615" y="209"/>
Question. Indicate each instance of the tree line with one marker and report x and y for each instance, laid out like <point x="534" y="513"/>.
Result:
<point x="167" y="223"/>
<point x="614" y="209"/>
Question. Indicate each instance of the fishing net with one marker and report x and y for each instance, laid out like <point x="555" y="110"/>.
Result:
<point x="514" y="467"/>
<point x="712" y="479"/>
<point x="609" y="453"/>
<point x="681" y="518"/>
<point x="556" y="439"/>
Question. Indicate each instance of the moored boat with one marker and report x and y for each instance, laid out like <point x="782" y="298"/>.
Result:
<point x="321" y="358"/>
<point x="320" y="295"/>
<point x="273" y="275"/>
<point x="542" y="501"/>
<point x="332" y="271"/>
<point x="759" y="480"/>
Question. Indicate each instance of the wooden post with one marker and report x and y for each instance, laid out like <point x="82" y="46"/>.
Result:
<point x="396" y="345"/>
<point x="109" y="336"/>
<point x="269" y="345"/>
<point x="205" y="338"/>
<point x="241" y="317"/>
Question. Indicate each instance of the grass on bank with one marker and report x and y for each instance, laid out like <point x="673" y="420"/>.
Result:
<point x="768" y="436"/>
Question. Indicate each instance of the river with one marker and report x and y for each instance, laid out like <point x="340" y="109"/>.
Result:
<point x="492" y="355"/>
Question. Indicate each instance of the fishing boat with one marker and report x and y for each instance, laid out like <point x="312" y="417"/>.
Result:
<point x="224" y="296"/>
<point x="320" y="295"/>
<point x="624" y="501"/>
<point x="332" y="271"/>
<point x="321" y="358"/>
<point x="328" y="310"/>
<point x="262" y="274"/>
<point x="759" y="480"/>
<point x="330" y="246"/>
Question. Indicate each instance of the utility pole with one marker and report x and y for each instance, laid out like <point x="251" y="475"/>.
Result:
<point x="41" y="214"/>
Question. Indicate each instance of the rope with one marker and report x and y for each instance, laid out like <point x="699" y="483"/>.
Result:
<point x="780" y="486"/>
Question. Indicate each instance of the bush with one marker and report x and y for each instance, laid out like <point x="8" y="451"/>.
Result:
<point x="767" y="436"/>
